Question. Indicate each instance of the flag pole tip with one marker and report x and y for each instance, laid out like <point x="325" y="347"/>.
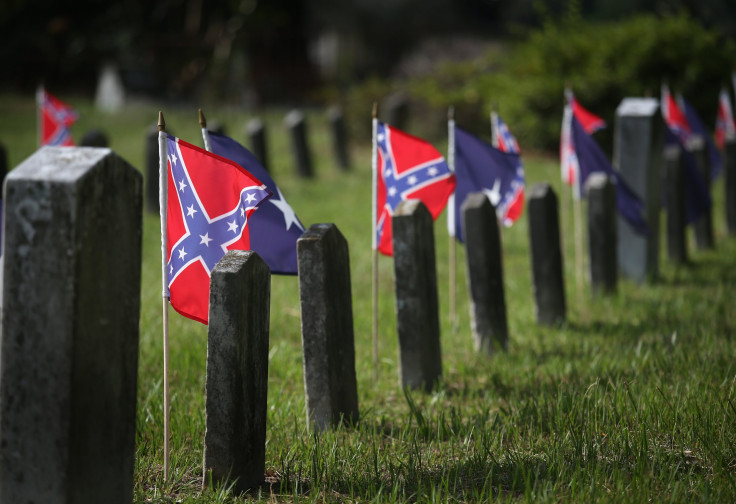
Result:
<point x="202" y="119"/>
<point x="161" y="122"/>
<point x="375" y="110"/>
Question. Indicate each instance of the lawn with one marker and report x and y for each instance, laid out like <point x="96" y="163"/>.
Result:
<point x="632" y="399"/>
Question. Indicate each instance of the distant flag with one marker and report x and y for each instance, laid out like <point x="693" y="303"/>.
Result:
<point x="408" y="168"/>
<point x="209" y="202"/>
<point x="275" y="228"/>
<point x="674" y="116"/>
<point x="698" y="128"/>
<point x="725" y="126"/>
<point x="589" y="121"/>
<point x="502" y="139"/>
<point x="480" y="167"/>
<point x="55" y="119"/>
<point x="592" y="159"/>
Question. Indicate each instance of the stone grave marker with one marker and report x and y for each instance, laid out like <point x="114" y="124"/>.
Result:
<point x="703" y="225"/>
<point x="110" y="95"/>
<point x="237" y="371"/>
<point x="327" y="327"/>
<point x="638" y="143"/>
<point x="339" y="136"/>
<point x="674" y="179"/>
<point x="94" y="138"/>
<point x="729" y="163"/>
<point x="485" y="274"/>
<point x="70" y="327"/>
<point x="546" y="255"/>
<point x="601" y="194"/>
<point x="256" y="132"/>
<point x="417" y="313"/>
<point x="297" y="126"/>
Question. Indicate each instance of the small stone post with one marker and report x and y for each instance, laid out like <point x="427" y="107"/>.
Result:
<point x="397" y="110"/>
<point x="601" y="193"/>
<point x="327" y="327"/>
<point x="676" y="213"/>
<point x="94" y="138"/>
<point x="417" y="313"/>
<point x="237" y="371"/>
<point x="546" y="255"/>
<point x="297" y="126"/>
<point x="485" y="274"/>
<point x="256" y="132"/>
<point x="637" y="154"/>
<point x="703" y="225"/>
<point x="70" y="323"/>
<point x="729" y="163"/>
<point x="339" y="136"/>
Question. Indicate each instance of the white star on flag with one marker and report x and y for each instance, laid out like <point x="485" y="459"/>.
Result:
<point x="232" y="226"/>
<point x="284" y="208"/>
<point x="205" y="239"/>
<point x="250" y="198"/>
<point x="411" y="180"/>
<point x="191" y="211"/>
<point x="182" y="185"/>
<point x="182" y="254"/>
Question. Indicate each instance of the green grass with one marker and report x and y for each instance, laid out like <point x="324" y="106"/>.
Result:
<point x="631" y="400"/>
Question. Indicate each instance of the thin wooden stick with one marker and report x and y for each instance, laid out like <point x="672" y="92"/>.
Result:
<point x="163" y="158"/>
<point x="451" y="217"/>
<point x="374" y="213"/>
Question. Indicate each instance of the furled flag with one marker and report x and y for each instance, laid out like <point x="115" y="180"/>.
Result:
<point x="209" y="202"/>
<point x="480" y="167"/>
<point x="592" y="159"/>
<point x="589" y="121"/>
<point x="725" y="126"/>
<point x="503" y="140"/>
<point x="674" y="116"/>
<point x="698" y="128"/>
<point x="275" y="228"/>
<point x="408" y="168"/>
<point x="55" y="119"/>
<point x="569" y="166"/>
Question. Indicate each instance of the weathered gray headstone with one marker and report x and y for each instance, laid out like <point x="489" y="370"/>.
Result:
<point x="94" y="138"/>
<point x="638" y="143"/>
<point x="485" y="274"/>
<point x="546" y="255"/>
<point x="674" y="179"/>
<point x="417" y="313"/>
<point x="256" y="132"/>
<point x="70" y="325"/>
<point x="216" y="126"/>
<point x="237" y="371"/>
<point x="339" y="136"/>
<point x="327" y="327"/>
<point x="601" y="193"/>
<point x="297" y="126"/>
<point x="703" y="225"/>
<point x="110" y="95"/>
<point x="152" y="167"/>
<point x="729" y="163"/>
<point x="396" y="110"/>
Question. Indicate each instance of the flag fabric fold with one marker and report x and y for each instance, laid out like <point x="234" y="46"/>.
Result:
<point x="408" y="168"/>
<point x="275" y="228"/>
<point x="589" y="121"/>
<point x="698" y="128"/>
<point x="674" y="116"/>
<point x="209" y="202"/>
<point x="592" y="159"/>
<point x="480" y="167"/>
<point x="725" y="126"/>
<point x="56" y="117"/>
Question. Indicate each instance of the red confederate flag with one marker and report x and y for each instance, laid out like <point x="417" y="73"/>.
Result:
<point x="209" y="200"/>
<point x="56" y="117"/>
<point x="408" y="168"/>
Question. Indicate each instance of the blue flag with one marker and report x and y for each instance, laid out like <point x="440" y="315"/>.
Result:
<point x="592" y="159"/>
<point x="274" y="228"/>
<point x="480" y="167"/>
<point x="697" y="127"/>
<point x="697" y="197"/>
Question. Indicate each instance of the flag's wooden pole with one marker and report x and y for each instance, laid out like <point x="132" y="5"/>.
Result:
<point x="163" y="155"/>
<point x="451" y="216"/>
<point x="374" y="214"/>
<point x="205" y="134"/>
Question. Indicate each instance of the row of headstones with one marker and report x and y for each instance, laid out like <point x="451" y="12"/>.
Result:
<point x="71" y="293"/>
<point x="297" y="126"/>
